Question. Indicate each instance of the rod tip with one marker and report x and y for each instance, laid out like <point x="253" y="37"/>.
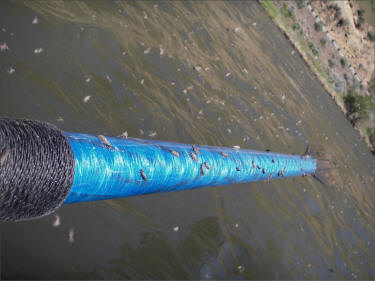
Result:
<point x="327" y="170"/>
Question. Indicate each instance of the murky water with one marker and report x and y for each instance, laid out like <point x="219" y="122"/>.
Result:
<point x="185" y="71"/>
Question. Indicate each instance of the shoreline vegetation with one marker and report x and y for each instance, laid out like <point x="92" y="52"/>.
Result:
<point x="338" y="45"/>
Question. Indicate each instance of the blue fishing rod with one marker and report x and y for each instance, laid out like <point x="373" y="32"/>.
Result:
<point x="42" y="167"/>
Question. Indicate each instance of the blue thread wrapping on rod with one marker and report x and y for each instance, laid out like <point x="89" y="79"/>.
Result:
<point x="103" y="172"/>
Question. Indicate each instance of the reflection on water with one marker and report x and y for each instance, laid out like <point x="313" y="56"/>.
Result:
<point x="215" y="73"/>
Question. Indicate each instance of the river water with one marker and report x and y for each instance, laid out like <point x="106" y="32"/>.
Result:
<point x="205" y="72"/>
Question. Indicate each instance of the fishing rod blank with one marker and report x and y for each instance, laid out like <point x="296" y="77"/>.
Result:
<point x="42" y="168"/>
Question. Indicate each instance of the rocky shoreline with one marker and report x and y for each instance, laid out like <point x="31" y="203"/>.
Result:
<point x="321" y="38"/>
